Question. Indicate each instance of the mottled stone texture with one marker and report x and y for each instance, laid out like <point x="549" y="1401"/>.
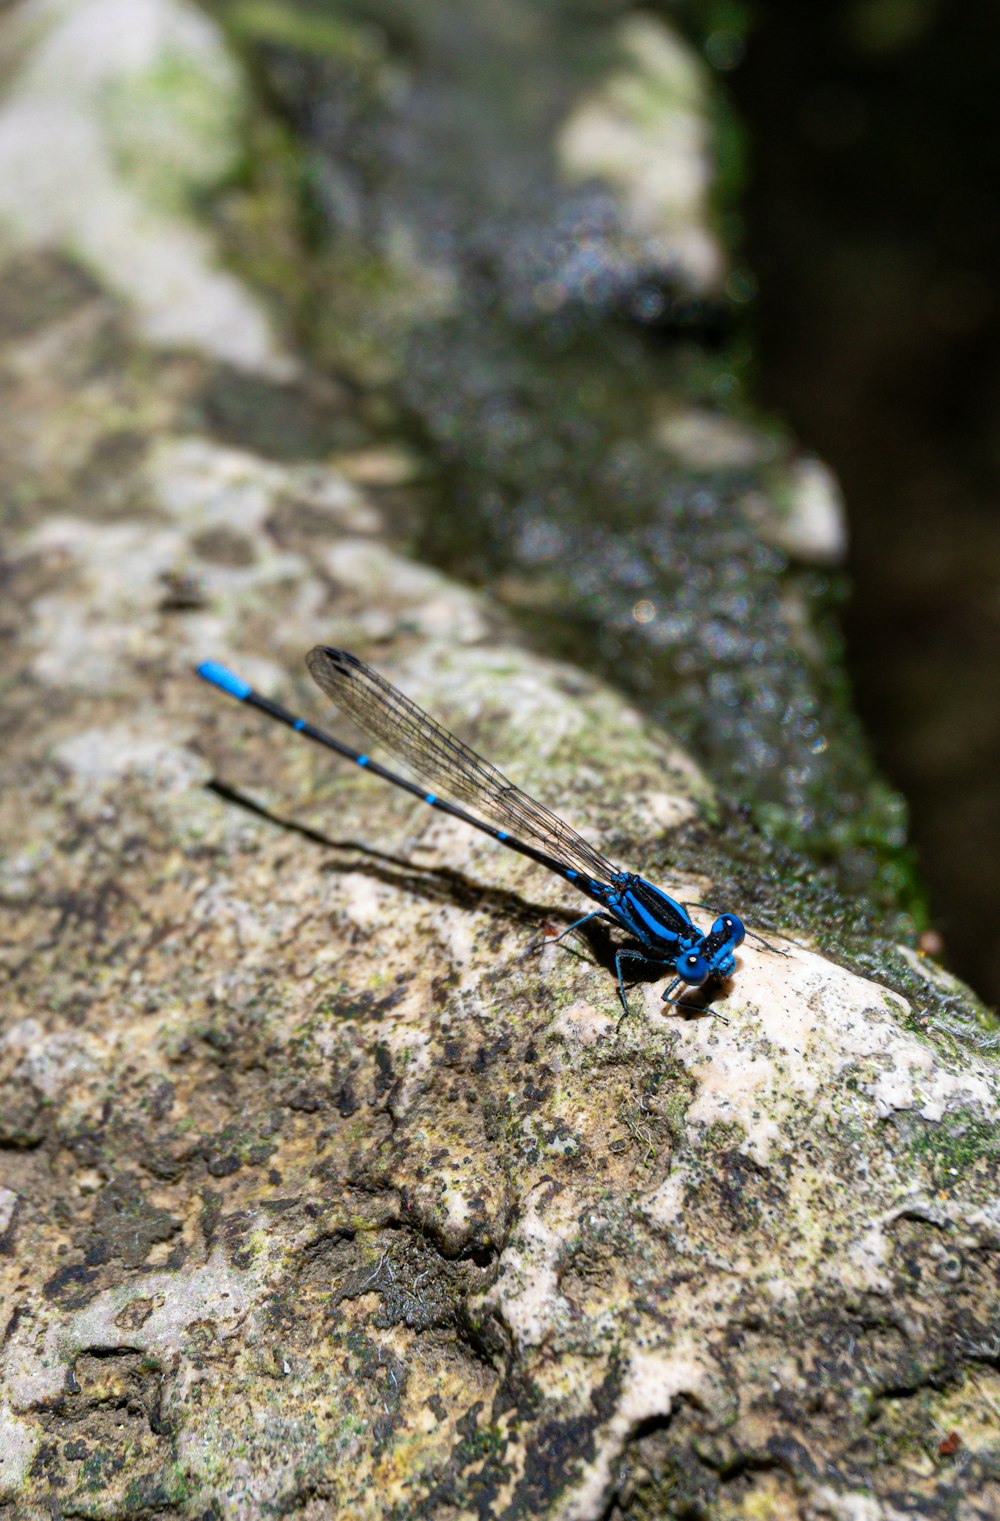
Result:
<point x="326" y="1192"/>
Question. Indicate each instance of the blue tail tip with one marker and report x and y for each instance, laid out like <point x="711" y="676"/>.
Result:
<point x="226" y="680"/>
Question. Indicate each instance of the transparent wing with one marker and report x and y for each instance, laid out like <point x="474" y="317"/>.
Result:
<point x="449" y="766"/>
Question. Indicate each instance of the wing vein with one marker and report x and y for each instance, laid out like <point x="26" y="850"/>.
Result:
<point x="451" y="767"/>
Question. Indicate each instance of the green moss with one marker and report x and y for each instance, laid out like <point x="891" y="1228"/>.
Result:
<point x="370" y="306"/>
<point x="153" y="1492"/>
<point x="177" y="127"/>
<point x="956" y="1145"/>
<point x="319" y="31"/>
<point x="177" y="1484"/>
<point x="724" y="1137"/>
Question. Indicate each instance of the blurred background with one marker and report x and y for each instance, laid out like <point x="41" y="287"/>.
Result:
<point x="873" y="225"/>
<point x="853" y="151"/>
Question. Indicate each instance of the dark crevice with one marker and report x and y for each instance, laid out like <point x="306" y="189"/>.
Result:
<point x="873" y="220"/>
<point x="111" y="1351"/>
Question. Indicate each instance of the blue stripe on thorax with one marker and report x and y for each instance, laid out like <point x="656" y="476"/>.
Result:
<point x="651" y="915"/>
<point x="631" y="917"/>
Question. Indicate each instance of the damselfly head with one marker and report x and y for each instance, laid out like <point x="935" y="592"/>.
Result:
<point x="692" y="968"/>
<point x="728" y="927"/>
<point x="706" y="960"/>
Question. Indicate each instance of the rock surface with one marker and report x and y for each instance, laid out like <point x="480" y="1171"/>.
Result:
<point x="116" y="114"/>
<point x="323" y="1190"/>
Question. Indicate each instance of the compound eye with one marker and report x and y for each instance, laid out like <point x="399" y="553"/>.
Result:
<point x="731" y="927"/>
<point x="692" y="968"/>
